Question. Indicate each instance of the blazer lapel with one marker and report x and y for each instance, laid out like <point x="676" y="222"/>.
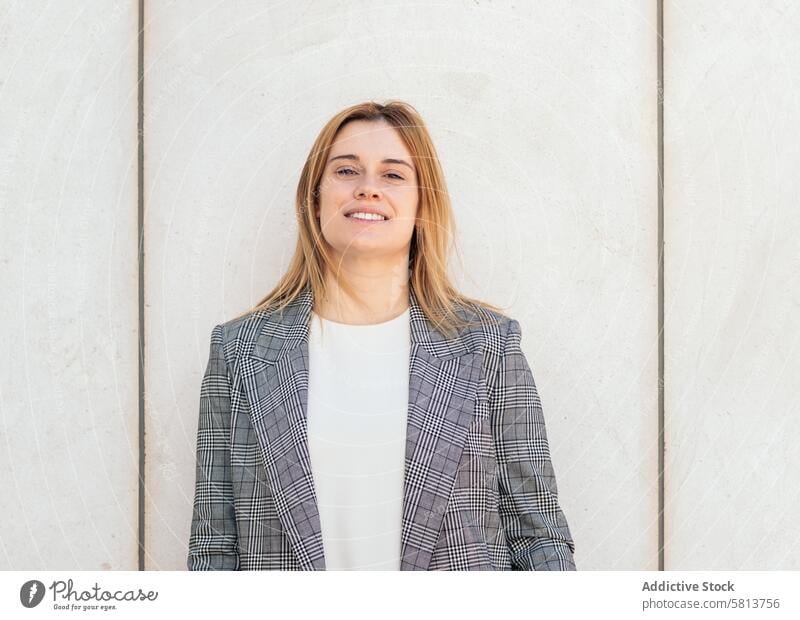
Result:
<point x="275" y="375"/>
<point x="443" y="377"/>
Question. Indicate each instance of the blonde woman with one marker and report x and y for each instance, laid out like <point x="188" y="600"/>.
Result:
<point x="365" y="415"/>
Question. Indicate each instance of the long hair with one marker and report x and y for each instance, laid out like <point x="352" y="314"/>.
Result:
<point x="434" y="230"/>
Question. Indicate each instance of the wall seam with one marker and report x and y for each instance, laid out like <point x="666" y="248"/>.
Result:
<point x="660" y="129"/>
<point x="140" y="234"/>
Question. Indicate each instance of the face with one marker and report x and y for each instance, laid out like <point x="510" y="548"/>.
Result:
<point x="369" y="169"/>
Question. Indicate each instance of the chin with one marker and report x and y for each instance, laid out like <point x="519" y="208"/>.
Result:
<point x="366" y="249"/>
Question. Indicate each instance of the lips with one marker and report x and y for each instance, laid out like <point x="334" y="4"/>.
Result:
<point x="372" y="210"/>
<point x="359" y="220"/>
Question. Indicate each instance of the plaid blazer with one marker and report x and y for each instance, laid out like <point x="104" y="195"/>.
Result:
<point x="479" y="487"/>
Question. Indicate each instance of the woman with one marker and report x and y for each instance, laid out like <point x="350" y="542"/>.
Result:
<point x="365" y="415"/>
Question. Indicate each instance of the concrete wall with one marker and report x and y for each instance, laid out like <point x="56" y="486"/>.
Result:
<point x="68" y="275"/>
<point x="732" y="285"/>
<point x="545" y="118"/>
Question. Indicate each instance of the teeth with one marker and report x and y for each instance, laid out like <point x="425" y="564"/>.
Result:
<point x="367" y="216"/>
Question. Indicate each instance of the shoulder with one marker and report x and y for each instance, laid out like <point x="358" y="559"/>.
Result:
<point x="489" y="329"/>
<point x="247" y="325"/>
<point x="232" y="327"/>
<point x="238" y="334"/>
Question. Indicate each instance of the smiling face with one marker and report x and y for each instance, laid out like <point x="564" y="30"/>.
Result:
<point x="369" y="169"/>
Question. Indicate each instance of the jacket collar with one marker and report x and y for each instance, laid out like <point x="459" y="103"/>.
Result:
<point x="290" y="328"/>
<point x="443" y="377"/>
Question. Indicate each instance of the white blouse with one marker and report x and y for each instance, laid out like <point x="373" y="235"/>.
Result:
<point x="357" y="407"/>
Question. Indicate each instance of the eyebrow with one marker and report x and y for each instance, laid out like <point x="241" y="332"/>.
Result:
<point x="388" y="160"/>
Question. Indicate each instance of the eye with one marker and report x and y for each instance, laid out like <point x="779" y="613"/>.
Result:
<point x="344" y="173"/>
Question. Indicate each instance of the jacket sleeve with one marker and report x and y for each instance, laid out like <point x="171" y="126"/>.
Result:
<point x="537" y="532"/>
<point x="213" y="543"/>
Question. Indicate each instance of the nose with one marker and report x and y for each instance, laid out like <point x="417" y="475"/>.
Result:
<point x="367" y="190"/>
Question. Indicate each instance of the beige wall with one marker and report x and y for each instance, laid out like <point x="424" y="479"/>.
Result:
<point x="732" y="285"/>
<point x="546" y="123"/>
<point x="69" y="402"/>
<point x="550" y="153"/>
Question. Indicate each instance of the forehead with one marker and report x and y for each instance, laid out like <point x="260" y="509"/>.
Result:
<point x="369" y="136"/>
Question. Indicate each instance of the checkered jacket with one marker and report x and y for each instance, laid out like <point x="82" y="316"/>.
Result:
<point x="479" y="487"/>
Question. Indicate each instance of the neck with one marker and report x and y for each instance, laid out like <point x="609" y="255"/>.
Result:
<point x="381" y="293"/>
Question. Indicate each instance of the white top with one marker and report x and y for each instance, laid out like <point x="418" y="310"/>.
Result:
<point x="357" y="407"/>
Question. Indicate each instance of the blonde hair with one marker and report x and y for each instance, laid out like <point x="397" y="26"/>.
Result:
<point x="430" y="242"/>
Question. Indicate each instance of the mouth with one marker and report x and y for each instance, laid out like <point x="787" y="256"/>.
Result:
<point x="366" y="219"/>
